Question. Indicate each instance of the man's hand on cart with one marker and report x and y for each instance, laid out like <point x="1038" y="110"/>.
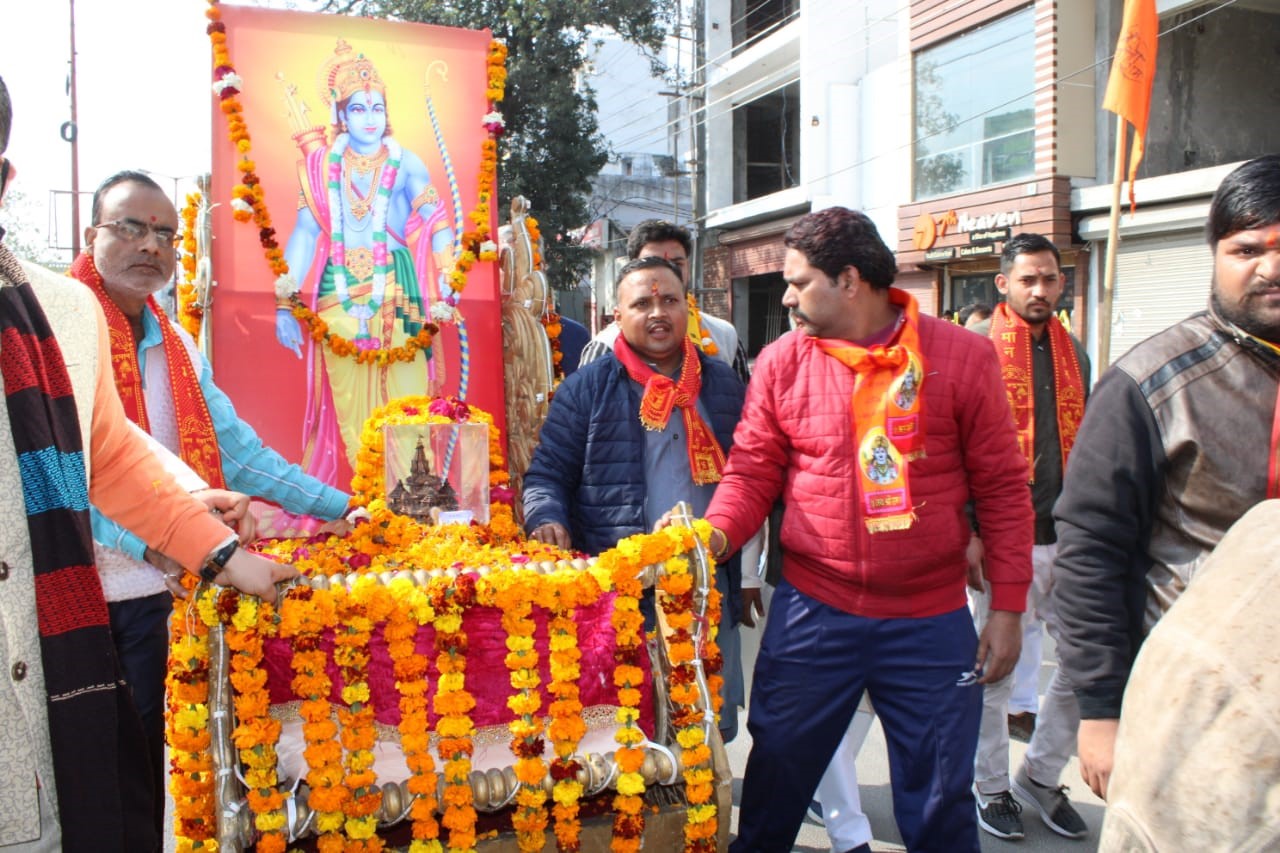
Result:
<point x="552" y="533"/>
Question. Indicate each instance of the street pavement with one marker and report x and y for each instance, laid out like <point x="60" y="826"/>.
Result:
<point x="877" y="799"/>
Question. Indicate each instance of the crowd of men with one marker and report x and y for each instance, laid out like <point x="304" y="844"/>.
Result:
<point x="945" y="492"/>
<point x="914" y="457"/>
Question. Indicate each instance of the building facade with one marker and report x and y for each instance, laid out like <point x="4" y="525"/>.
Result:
<point x="806" y="107"/>
<point x="1003" y="121"/>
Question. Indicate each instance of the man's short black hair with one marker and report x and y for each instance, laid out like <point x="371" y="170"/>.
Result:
<point x="838" y="237"/>
<point x="1247" y="198"/>
<point x="657" y="231"/>
<point x="130" y="176"/>
<point x="649" y="263"/>
<point x="1027" y="243"/>
<point x="980" y="308"/>
<point x="6" y="116"/>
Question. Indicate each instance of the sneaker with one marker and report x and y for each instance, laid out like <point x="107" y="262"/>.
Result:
<point x="1053" y="804"/>
<point x="1022" y="726"/>
<point x="998" y="815"/>
<point x="815" y="813"/>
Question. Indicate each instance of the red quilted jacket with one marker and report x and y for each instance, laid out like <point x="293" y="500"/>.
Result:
<point x="795" y="440"/>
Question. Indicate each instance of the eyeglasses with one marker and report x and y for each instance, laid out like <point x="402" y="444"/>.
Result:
<point x="133" y="230"/>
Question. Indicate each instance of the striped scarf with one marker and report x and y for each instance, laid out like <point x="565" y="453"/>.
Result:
<point x="99" y="754"/>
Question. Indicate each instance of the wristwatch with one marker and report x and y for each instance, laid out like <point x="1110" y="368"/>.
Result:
<point x="218" y="559"/>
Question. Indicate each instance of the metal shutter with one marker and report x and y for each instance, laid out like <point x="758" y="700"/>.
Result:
<point x="1160" y="280"/>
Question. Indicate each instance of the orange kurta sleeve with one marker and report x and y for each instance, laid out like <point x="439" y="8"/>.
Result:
<point x="131" y="486"/>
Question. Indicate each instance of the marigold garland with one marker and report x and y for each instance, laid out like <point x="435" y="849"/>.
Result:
<point x="304" y="616"/>
<point x="551" y="323"/>
<point x="359" y="609"/>
<point x="454" y="704"/>
<point x="249" y="202"/>
<point x="567" y="728"/>
<point x="410" y="611"/>
<point x="690" y="721"/>
<point x="530" y="818"/>
<point x="190" y="312"/>
<point x="248" y="622"/>
<point x="191" y="775"/>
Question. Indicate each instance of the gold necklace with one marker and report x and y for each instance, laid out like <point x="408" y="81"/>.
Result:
<point x="363" y="164"/>
<point x="358" y="204"/>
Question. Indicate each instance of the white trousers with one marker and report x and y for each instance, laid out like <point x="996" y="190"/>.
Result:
<point x="842" y="813"/>
<point x="1055" y="735"/>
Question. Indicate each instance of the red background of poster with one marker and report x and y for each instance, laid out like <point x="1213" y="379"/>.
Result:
<point x="264" y="380"/>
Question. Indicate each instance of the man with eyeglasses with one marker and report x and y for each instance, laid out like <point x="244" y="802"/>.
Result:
<point x="167" y="388"/>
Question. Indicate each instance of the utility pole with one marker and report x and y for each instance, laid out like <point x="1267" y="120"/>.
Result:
<point x="698" y="117"/>
<point x="71" y="133"/>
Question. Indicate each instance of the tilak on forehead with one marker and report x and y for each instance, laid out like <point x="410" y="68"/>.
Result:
<point x="653" y="286"/>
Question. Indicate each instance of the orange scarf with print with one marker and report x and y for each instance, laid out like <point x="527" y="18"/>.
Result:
<point x="1012" y="338"/>
<point x="662" y="395"/>
<point x="888" y="410"/>
<point x="198" y="443"/>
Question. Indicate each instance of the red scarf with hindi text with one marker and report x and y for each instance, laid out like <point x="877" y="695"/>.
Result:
<point x="198" y="443"/>
<point x="662" y="395"/>
<point x="1012" y="338"/>
<point x="888" y="416"/>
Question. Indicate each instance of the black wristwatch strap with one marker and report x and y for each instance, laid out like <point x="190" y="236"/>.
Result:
<point x="218" y="560"/>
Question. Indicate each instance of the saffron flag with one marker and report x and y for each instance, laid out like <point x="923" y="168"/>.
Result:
<point x="1133" y="70"/>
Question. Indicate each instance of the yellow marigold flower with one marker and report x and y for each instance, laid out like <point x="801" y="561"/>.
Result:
<point x="630" y="784"/>
<point x="690" y="737"/>
<point x="449" y="623"/>
<point x="353" y="693"/>
<point x="193" y="718"/>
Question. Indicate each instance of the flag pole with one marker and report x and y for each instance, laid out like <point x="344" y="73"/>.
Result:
<point x="1113" y="236"/>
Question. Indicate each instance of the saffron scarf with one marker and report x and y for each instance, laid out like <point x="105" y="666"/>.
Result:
<point x="1012" y="338"/>
<point x="662" y="395"/>
<point x="888" y="416"/>
<point x="99" y="755"/>
<point x="197" y="441"/>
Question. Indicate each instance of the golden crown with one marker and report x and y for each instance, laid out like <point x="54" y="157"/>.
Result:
<point x="345" y="73"/>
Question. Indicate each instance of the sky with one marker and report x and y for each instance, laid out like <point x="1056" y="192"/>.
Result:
<point x="143" y="95"/>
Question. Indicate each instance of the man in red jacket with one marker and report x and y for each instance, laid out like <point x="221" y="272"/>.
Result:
<point x="874" y="425"/>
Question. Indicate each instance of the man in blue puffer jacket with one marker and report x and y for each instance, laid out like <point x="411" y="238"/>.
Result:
<point x="634" y="432"/>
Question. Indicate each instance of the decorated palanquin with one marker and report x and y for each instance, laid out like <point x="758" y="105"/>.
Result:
<point x="451" y="687"/>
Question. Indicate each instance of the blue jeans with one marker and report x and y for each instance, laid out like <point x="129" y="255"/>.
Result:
<point x="814" y="663"/>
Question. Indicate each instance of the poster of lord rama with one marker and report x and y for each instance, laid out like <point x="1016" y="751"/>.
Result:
<point x="367" y="136"/>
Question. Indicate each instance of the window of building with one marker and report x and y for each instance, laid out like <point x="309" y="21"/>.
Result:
<point x="975" y="108"/>
<point x="766" y="137"/>
<point x="767" y="318"/>
<point x="755" y="19"/>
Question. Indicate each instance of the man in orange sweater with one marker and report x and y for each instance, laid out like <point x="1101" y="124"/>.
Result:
<point x="72" y="741"/>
